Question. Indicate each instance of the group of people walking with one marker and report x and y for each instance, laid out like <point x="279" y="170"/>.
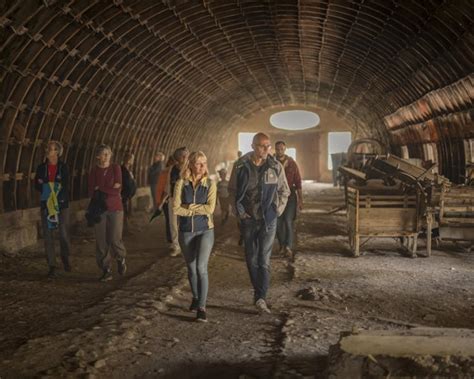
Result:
<point x="110" y="187"/>
<point x="263" y="190"/>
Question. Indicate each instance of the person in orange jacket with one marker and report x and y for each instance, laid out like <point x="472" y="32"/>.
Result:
<point x="162" y="195"/>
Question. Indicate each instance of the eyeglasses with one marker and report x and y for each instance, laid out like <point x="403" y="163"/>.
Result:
<point x="266" y="147"/>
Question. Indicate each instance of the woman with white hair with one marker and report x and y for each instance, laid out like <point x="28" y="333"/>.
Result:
<point x="194" y="202"/>
<point x="106" y="178"/>
<point x="51" y="180"/>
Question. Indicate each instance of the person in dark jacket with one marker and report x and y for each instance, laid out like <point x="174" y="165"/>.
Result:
<point x="259" y="190"/>
<point x="51" y="180"/>
<point x="129" y="188"/>
<point x="194" y="202"/>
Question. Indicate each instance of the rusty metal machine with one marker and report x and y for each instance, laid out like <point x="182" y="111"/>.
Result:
<point x="390" y="197"/>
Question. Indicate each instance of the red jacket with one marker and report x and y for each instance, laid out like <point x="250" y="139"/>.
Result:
<point x="292" y="173"/>
<point x="105" y="178"/>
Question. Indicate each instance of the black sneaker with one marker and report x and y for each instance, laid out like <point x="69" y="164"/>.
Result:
<point x="66" y="265"/>
<point x="52" y="273"/>
<point x="194" y="305"/>
<point x="201" y="315"/>
<point x="122" y="267"/>
<point x="106" y="276"/>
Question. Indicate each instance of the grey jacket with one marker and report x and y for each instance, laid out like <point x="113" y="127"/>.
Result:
<point x="275" y="189"/>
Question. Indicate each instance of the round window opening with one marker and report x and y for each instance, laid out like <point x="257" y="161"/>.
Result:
<point x="294" y="120"/>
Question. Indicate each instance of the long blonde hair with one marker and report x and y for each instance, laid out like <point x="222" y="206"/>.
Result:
<point x="186" y="172"/>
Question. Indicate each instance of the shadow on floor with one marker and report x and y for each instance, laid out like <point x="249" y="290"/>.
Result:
<point x="271" y="367"/>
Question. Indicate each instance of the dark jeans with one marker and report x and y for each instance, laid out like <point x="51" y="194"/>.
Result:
<point x="258" y="240"/>
<point x="127" y="212"/>
<point x="64" y="242"/>
<point x="196" y="248"/>
<point x="285" y="224"/>
<point x="153" y="195"/>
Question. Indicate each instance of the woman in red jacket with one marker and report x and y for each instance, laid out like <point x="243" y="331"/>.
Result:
<point x="106" y="177"/>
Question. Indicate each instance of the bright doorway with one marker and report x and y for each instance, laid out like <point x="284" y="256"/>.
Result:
<point x="338" y="142"/>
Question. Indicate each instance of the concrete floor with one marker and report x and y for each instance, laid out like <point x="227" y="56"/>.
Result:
<point x="139" y="326"/>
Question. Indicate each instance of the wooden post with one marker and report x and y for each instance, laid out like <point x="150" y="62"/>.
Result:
<point x="429" y="225"/>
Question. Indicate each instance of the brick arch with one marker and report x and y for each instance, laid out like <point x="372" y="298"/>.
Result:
<point x="148" y="75"/>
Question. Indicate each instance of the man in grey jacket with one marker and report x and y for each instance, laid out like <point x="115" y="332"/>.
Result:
<point x="259" y="191"/>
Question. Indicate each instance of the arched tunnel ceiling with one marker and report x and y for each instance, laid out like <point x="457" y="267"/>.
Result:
<point x="146" y="75"/>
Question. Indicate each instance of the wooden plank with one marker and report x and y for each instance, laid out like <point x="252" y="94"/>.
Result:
<point x="391" y="204"/>
<point x="392" y="197"/>
<point x="459" y="208"/>
<point x="459" y="203"/>
<point x="459" y="220"/>
<point x="450" y="195"/>
<point x="387" y="219"/>
<point x="357" y="214"/>
<point x="387" y="234"/>
<point x="461" y="190"/>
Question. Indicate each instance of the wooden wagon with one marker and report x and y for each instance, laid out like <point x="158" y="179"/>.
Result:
<point x="456" y="215"/>
<point x="378" y="215"/>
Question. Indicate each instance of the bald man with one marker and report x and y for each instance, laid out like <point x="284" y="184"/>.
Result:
<point x="259" y="191"/>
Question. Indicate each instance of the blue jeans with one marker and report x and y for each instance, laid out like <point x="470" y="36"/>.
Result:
<point x="285" y="223"/>
<point x="258" y="241"/>
<point x="196" y="248"/>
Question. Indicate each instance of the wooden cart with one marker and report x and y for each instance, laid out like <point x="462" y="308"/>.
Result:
<point x="456" y="215"/>
<point x="383" y="215"/>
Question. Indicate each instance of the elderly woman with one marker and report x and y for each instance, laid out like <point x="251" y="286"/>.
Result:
<point x="106" y="177"/>
<point x="51" y="180"/>
<point x="194" y="202"/>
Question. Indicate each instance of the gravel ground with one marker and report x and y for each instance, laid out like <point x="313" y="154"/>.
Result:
<point x="139" y="325"/>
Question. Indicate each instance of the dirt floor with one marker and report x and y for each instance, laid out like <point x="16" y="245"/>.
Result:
<point x="139" y="325"/>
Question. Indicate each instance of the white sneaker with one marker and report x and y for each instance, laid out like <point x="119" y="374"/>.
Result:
<point x="175" y="251"/>
<point x="262" y="306"/>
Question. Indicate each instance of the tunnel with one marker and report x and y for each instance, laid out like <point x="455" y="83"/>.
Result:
<point x="147" y="76"/>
